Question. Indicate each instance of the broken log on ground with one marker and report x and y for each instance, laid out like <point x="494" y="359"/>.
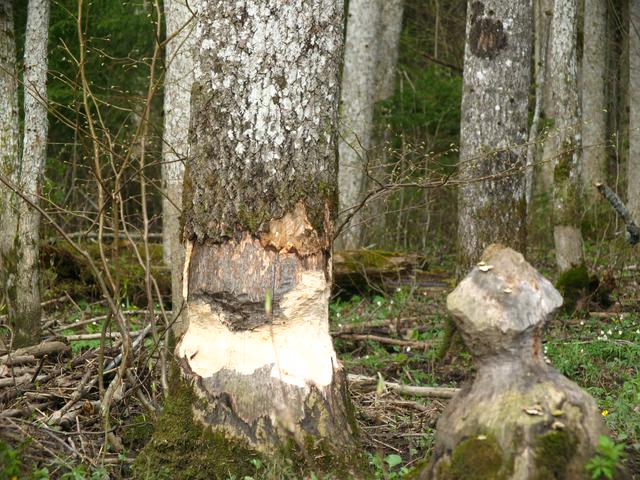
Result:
<point x="361" y="270"/>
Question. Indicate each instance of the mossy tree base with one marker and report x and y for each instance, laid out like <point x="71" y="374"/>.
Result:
<point x="182" y="448"/>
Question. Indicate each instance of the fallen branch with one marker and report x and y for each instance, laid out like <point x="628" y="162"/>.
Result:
<point x="433" y="392"/>
<point x="45" y="348"/>
<point x="633" y="232"/>
<point x="386" y="340"/>
<point x="97" y="336"/>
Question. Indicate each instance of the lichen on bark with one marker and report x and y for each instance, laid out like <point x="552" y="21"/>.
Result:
<point x="493" y="132"/>
<point x="259" y="199"/>
<point x="264" y="112"/>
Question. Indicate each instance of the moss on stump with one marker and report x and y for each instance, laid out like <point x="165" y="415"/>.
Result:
<point x="181" y="448"/>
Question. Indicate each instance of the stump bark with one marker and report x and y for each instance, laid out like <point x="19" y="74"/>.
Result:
<point x="519" y="418"/>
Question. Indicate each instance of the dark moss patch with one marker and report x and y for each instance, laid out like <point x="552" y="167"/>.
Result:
<point x="478" y="458"/>
<point x="182" y="449"/>
<point x="553" y="452"/>
<point x="581" y="289"/>
<point x="138" y="432"/>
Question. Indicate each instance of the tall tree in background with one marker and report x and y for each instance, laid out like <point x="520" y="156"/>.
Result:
<point x="9" y="141"/>
<point x="260" y="192"/>
<point x="34" y="156"/>
<point x="21" y="223"/>
<point x="562" y="148"/>
<point x="179" y="15"/>
<point x="388" y="48"/>
<point x="493" y="130"/>
<point x="633" y="175"/>
<point x="542" y="10"/>
<point x="594" y="74"/>
<point x="356" y="109"/>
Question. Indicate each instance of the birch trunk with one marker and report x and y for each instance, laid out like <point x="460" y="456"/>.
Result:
<point x="21" y="264"/>
<point x="562" y="148"/>
<point x="594" y="74"/>
<point x="633" y="175"/>
<point x="180" y="24"/>
<point x="494" y="127"/>
<point x="260" y="190"/>
<point x="356" y="115"/>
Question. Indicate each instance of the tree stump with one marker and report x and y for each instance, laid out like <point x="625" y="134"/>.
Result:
<point x="519" y="418"/>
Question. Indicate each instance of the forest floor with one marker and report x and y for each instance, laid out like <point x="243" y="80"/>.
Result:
<point x="51" y="427"/>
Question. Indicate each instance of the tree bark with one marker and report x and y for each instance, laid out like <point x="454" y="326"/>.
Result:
<point x="542" y="22"/>
<point x="633" y="175"/>
<point x="562" y="148"/>
<point x="9" y="153"/>
<point x="388" y="48"/>
<point x="34" y="156"/>
<point x="175" y="147"/>
<point x="594" y="74"/>
<point x="493" y="133"/>
<point x="259" y="200"/>
<point x="356" y="116"/>
<point x="21" y="223"/>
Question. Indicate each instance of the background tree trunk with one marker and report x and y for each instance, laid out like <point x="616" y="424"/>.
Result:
<point x="388" y="48"/>
<point x="494" y="127"/>
<point x="594" y="75"/>
<point x="175" y="147"/>
<point x="562" y="148"/>
<point x="22" y="223"/>
<point x="633" y="180"/>
<point x="9" y="153"/>
<point x="34" y="156"/>
<point x="260" y="191"/>
<point x="356" y="114"/>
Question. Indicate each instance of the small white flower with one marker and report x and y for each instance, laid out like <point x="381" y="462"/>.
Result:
<point x="619" y="332"/>
<point x="408" y="349"/>
<point x="391" y="302"/>
<point x="379" y="303"/>
<point x="601" y="332"/>
<point x="398" y="289"/>
<point x="609" y="332"/>
<point x="338" y="315"/>
<point x="582" y="322"/>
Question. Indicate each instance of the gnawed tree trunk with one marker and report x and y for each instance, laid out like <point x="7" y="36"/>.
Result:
<point x="9" y="153"/>
<point x="562" y="148"/>
<point x="260" y="192"/>
<point x="175" y="147"/>
<point x="520" y="418"/>
<point x="493" y="132"/>
<point x="356" y="110"/>
<point x="594" y="75"/>
<point x="633" y="175"/>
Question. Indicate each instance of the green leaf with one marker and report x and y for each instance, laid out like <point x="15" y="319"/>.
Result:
<point x="393" y="460"/>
